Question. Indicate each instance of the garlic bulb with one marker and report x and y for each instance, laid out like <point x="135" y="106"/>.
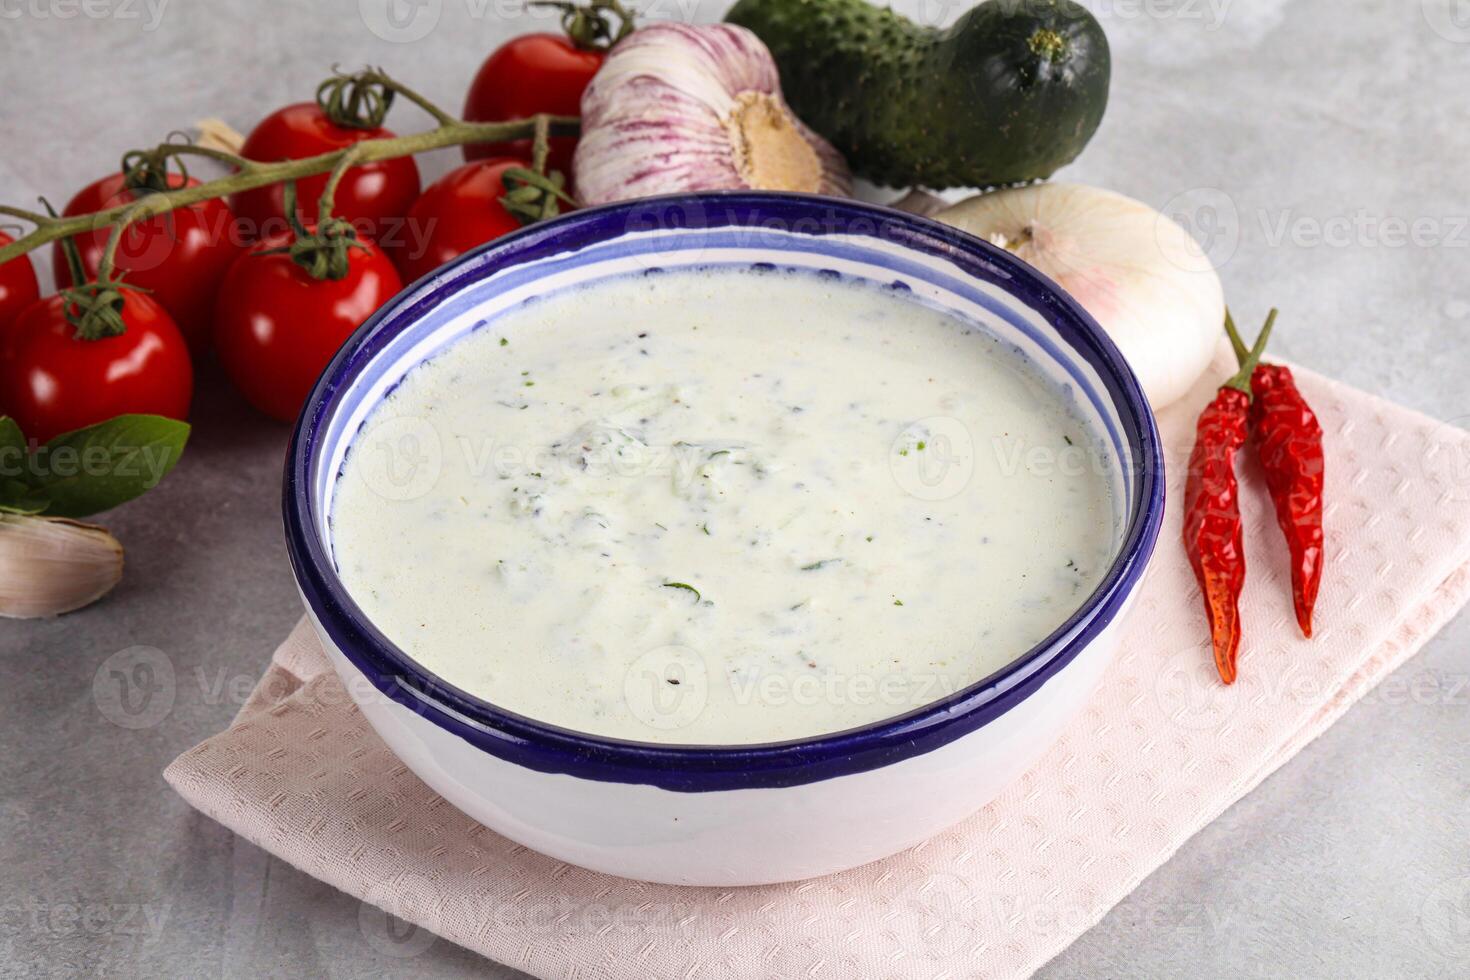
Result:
<point x="51" y="565"/>
<point x="1140" y="275"/>
<point x="686" y="107"/>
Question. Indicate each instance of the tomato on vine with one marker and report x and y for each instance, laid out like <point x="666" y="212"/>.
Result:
<point x="91" y="353"/>
<point x="18" y="285"/>
<point x="374" y="197"/>
<point x="544" y="72"/>
<point x="289" y="302"/>
<point x="178" y="257"/>
<point x="458" y="211"/>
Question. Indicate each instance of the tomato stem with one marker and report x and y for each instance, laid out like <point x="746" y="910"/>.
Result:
<point x="324" y="254"/>
<point x="328" y="197"/>
<point x="145" y="170"/>
<point x="68" y="249"/>
<point x="379" y="77"/>
<point x="93" y="308"/>
<point x="251" y="173"/>
<point x="359" y="101"/>
<point x="293" y="214"/>
<point x="590" y="25"/>
<point x="535" y="195"/>
<point x="540" y="146"/>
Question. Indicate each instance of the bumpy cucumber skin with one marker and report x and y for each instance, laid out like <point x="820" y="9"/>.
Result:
<point x="981" y="103"/>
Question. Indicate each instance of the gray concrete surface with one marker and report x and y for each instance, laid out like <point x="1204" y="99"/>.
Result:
<point x="1302" y="138"/>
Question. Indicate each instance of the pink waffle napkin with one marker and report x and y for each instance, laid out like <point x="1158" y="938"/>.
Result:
<point x="1159" y="752"/>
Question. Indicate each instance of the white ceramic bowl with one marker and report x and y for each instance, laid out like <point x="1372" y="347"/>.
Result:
<point x="745" y="814"/>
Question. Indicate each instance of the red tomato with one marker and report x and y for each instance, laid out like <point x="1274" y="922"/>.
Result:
<point x="55" y="382"/>
<point x="526" y="75"/>
<point x="179" y="257"/>
<point x="374" y="196"/>
<point x="276" y="328"/>
<point x="455" y="213"/>
<point x="18" y="286"/>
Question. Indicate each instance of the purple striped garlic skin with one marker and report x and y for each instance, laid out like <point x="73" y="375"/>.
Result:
<point x="685" y="107"/>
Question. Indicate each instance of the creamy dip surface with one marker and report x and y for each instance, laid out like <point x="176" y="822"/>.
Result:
<point x="722" y="506"/>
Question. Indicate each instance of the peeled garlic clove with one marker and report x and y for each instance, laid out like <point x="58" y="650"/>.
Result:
<point x="1143" y="278"/>
<point x="695" y="107"/>
<point x="921" y="202"/>
<point x="216" y="134"/>
<point x="51" y="565"/>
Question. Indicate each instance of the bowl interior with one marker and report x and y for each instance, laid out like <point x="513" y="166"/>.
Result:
<point x="462" y="304"/>
<point x="936" y="265"/>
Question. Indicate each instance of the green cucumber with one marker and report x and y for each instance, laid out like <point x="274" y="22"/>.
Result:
<point x="1009" y="93"/>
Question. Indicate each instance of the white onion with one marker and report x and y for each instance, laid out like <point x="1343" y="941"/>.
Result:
<point x="1140" y="275"/>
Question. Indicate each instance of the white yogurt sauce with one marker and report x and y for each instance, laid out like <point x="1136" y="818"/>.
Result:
<point x="720" y="507"/>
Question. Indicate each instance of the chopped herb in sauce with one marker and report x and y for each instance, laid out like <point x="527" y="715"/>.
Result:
<point x="686" y="587"/>
<point x="622" y="442"/>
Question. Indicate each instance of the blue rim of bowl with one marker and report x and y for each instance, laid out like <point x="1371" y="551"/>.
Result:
<point x="702" y="768"/>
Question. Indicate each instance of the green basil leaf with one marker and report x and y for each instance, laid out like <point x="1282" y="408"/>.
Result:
<point x="106" y="464"/>
<point x="17" y="496"/>
<point x="10" y="437"/>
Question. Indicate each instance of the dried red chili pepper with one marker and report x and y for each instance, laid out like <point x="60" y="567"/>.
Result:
<point x="1287" y="439"/>
<point x="1212" y="525"/>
